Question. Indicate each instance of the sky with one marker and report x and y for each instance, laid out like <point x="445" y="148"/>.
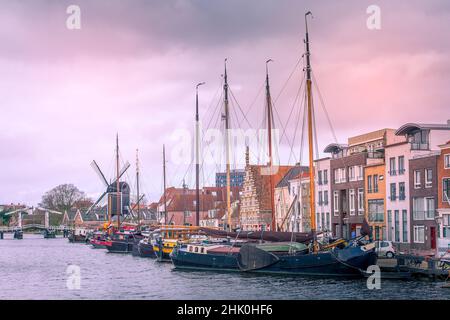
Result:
<point x="132" y="68"/>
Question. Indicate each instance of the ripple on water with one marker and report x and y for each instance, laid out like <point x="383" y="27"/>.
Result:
<point x="35" y="268"/>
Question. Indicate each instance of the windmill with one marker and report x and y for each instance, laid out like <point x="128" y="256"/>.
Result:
<point x="111" y="192"/>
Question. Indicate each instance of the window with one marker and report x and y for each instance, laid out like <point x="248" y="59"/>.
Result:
<point x="401" y="191"/>
<point x="393" y="192"/>
<point x="397" y="226"/>
<point x="405" y="225"/>
<point x="336" y="176"/>
<point x="325" y="176"/>
<point x="325" y="197"/>
<point x="419" y="234"/>
<point x="336" y="203"/>
<point x="446" y="226"/>
<point x="401" y="165"/>
<point x="376" y="210"/>
<point x="447" y="161"/>
<point x="360" y="201"/>
<point x="343" y="175"/>
<point x="320" y="177"/>
<point x="320" y="198"/>
<point x="416" y="179"/>
<point x="352" y="201"/>
<point x="446" y="190"/>
<point x="428" y="178"/>
<point x="375" y="183"/>
<point x="423" y="208"/>
<point x="369" y="184"/>
<point x="392" y="170"/>
<point x="419" y="140"/>
<point x="327" y="225"/>
<point x="351" y="173"/>
<point x="418" y="209"/>
<point x="429" y="206"/>
<point x="389" y="225"/>
<point x="323" y="227"/>
<point x="360" y="173"/>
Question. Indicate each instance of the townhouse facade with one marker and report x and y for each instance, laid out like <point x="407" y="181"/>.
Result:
<point x="423" y="197"/>
<point x="286" y="203"/>
<point x="375" y="196"/>
<point x="443" y="198"/>
<point x="411" y="140"/>
<point x="323" y="194"/>
<point x="301" y="219"/>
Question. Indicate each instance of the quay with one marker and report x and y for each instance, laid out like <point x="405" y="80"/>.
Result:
<point x="414" y="267"/>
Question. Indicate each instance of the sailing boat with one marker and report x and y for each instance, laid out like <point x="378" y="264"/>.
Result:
<point x="350" y="260"/>
<point x="292" y="257"/>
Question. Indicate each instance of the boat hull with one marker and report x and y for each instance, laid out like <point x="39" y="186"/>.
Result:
<point x="182" y="259"/>
<point x="144" y="250"/>
<point x="77" y="238"/>
<point x="347" y="262"/>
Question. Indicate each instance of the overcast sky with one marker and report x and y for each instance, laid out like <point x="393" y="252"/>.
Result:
<point x="133" y="66"/>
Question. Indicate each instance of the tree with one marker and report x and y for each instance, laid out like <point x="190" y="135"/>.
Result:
<point x="62" y="197"/>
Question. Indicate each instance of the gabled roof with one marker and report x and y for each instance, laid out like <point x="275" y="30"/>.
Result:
<point x="291" y="174"/>
<point x="411" y="127"/>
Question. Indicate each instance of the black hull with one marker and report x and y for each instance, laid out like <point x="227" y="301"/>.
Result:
<point x="214" y="262"/>
<point x="77" y="239"/>
<point x="120" y="247"/>
<point x="144" y="250"/>
<point x="347" y="262"/>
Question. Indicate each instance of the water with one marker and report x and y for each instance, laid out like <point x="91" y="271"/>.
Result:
<point x="35" y="268"/>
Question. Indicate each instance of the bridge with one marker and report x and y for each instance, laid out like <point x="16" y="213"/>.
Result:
<point x="34" y="226"/>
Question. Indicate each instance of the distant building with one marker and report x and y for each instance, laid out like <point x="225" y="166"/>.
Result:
<point x="237" y="177"/>
<point x="255" y="203"/>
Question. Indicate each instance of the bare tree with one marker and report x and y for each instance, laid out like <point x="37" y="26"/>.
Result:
<point x="62" y="197"/>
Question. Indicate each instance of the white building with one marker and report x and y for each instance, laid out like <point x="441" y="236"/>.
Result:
<point x="409" y="140"/>
<point x="322" y="194"/>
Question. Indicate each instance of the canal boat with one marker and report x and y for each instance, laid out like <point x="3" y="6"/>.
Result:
<point x="169" y="237"/>
<point x="78" y="235"/>
<point x="222" y="257"/>
<point x="123" y="241"/>
<point x="18" y="234"/>
<point x="99" y="240"/>
<point x="49" y="234"/>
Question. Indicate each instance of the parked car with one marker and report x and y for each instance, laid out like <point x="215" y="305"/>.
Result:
<point x="385" y="249"/>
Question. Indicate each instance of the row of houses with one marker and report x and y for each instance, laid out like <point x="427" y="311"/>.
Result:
<point x="396" y="179"/>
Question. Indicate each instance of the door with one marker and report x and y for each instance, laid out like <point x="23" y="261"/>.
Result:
<point x="433" y="237"/>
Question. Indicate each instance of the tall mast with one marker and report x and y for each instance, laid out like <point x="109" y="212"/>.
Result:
<point x="197" y="158"/>
<point x="137" y="188"/>
<point x="227" y="145"/>
<point x="164" y="182"/>
<point x="269" y="139"/>
<point x="118" y="182"/>
<point x="310" y="132"/>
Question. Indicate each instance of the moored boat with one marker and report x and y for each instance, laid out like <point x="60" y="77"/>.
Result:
<point x="78" y="235"/>
<point x="350" y="261"/>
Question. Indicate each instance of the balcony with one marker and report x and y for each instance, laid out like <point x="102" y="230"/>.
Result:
<point x="375" y="155"/>
<point x="392" y="172"/>
<point x="420" y="146"/>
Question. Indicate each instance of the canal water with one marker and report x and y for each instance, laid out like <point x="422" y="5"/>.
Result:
<point x="36" y="268"/>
